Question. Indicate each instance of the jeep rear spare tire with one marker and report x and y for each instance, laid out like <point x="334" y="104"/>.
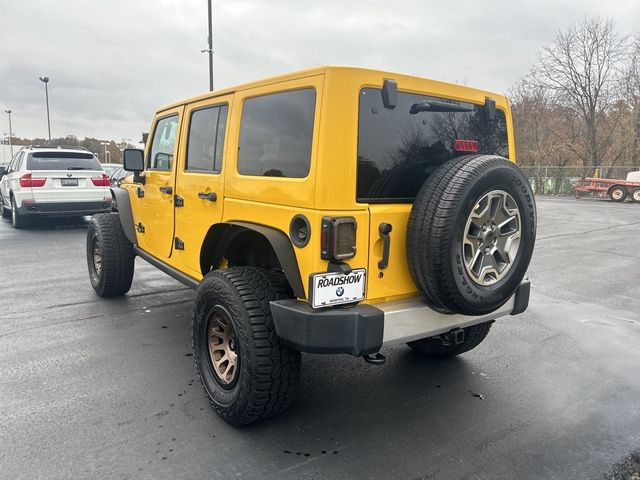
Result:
<point x="471" y="234"/>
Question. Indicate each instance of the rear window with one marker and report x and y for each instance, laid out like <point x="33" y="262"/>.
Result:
<point x="398" y="148"/>
<point x="276" y="133"/>
<point x="62" y="161"/>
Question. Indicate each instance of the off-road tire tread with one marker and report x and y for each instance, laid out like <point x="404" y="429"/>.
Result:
<point x="274" y="368"/>
<point x="118" y="257"/>
<point x="432" y="347"/>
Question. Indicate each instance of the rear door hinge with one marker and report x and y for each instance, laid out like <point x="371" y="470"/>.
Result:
<point x="140" y="227"/>
<point x="178" y="201"/>
<point x="179" y="244"/>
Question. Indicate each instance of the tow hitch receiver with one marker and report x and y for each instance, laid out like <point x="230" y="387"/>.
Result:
<point x="375" y="358"/>
<point x="453" y="337"/>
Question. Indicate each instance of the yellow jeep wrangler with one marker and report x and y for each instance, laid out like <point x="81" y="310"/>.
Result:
<point x="333" y="210"/>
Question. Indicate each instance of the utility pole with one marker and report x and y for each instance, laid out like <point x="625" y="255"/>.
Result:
<point x="210" y="49"/>
<point x="45" y="80"/>
<point x="10" y="133"/>
<point x="105" y="151"/>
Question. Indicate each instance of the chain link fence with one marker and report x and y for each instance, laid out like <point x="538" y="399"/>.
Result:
<point x="554" y="180"/>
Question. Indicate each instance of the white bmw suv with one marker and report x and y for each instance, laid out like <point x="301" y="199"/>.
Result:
<point x="54" y="181"/>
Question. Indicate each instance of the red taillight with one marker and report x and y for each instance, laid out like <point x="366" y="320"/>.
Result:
<point x="27" y="181"/>
<point x="101" y="181"/>
<point x="466" y="146"/>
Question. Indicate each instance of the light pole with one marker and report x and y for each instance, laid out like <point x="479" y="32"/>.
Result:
<point x="210" y="49"/>
<point x="46" y="92"/>
<point x="105" y="151"/>
<point x="10" y="133"/>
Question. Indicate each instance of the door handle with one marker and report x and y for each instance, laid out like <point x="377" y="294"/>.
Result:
<point x="385" y="229"/>
<point x="211" y="196"/>
<point x="167" y="190"/>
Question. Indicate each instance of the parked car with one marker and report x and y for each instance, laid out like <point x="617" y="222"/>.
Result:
<point x="117" y="175"/>
<point x="109" y="168"/>
<point x="53" y="181"/>
<point x="335" y="210"/>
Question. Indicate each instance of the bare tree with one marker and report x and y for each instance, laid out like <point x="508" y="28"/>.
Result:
<point x="631" y="92"/>
<point x="577" y="71"/>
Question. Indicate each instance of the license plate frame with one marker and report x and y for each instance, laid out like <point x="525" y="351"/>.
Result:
<point x="69" y="182"/>
<point x="325" y="294"/>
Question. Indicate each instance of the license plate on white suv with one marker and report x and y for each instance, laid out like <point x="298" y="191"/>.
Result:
<point x="337" y="288"/>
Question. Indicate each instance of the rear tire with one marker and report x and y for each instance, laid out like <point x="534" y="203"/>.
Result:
<point x="17" y="220"/>
<point x="256" y="376"/>
<point x="110" y="256"/>
<point x="617" y="194"/>
<point x="438" y="347"/>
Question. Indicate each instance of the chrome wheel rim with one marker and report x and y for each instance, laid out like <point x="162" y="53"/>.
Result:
<point x="97" y="257"/>
<point x="617" y="193"/>
<point x="491" y="237"/>
<point x="636" y="196"/>
<point x="222" y="347"/>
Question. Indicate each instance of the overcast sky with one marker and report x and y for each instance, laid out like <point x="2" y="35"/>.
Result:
<point x="113" y="63"/>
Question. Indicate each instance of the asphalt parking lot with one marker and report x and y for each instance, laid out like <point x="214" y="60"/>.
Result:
<point x="93" y="388"/>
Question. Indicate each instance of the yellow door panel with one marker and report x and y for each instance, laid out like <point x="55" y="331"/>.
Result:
<point x="156" y="206"/>
<point x="200" y="178"/>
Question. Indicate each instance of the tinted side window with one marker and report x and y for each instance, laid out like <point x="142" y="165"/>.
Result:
<point x="399" y="148"/>
<point x="164" y="142"/>
<point x="206" y="139"/>
<point x="276" y="132"/>
<point x="14" y="162"/>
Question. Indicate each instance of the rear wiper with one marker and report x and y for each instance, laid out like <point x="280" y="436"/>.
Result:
<point x="438" y="106"/>
<point x="78" y="168"/>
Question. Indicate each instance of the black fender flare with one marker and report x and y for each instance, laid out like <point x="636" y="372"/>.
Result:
<point x="125" y="214"/>
<point x="221" y="234"/>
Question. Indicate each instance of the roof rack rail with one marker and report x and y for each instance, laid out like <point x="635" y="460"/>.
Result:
<point x="55" y="145"/>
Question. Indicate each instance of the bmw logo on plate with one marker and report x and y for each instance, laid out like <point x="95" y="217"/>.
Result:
<point x="339" y="291"/>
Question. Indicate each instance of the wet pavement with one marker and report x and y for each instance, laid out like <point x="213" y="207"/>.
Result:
<point x="93" y="388"/>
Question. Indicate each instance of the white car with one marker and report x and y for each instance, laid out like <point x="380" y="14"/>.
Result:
<point x="53" y="181"/>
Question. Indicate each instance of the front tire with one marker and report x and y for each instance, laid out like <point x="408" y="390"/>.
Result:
<point x="6" y="213"/>
<point x="635" y="195"/>
<point x="440" y="347"/>
<point x="246" y="372"/>
<point x="110" y="256"/>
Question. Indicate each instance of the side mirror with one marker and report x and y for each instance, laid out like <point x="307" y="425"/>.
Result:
<point x="133" y="160"/>
<point x="3" y="171"/>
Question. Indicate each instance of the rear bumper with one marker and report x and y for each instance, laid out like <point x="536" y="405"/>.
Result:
<point x="64" y="208"/>
<point x="364" y="329"/>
